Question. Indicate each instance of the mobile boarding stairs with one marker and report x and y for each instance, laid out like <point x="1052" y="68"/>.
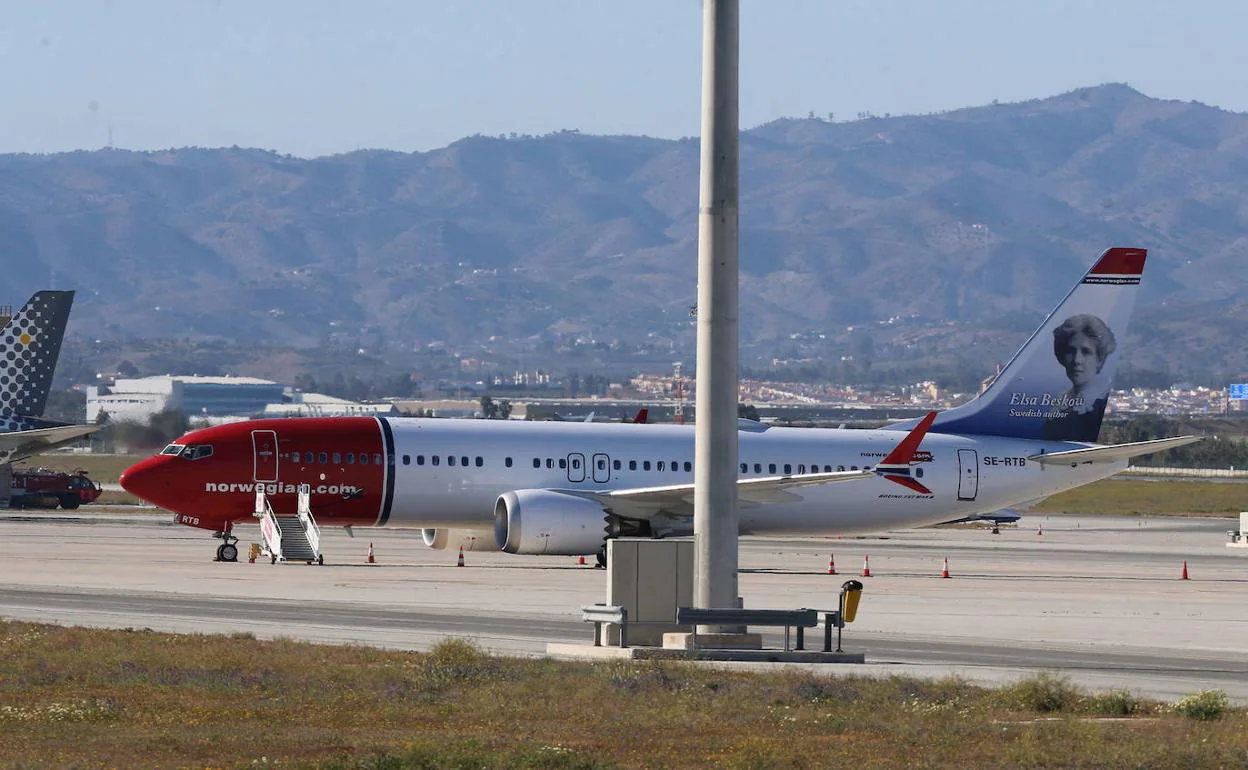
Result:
<point x="289" y="537"/>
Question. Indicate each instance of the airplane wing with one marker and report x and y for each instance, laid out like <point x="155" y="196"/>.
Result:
<point x="1113" y="452"/>
<point x="21" y="444"/>
<point x="677" y="499"/>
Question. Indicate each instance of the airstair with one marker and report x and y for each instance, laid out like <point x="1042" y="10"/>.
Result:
<point x="289" y="537"/>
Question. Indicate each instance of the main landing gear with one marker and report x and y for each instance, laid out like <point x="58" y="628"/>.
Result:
<point x="228" y="550"/>
<point x="602" y="557"/>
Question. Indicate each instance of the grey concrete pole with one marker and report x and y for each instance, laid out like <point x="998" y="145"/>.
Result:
<point x="715" y="479"/>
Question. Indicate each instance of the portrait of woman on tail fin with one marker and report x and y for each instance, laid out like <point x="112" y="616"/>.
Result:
<point x="1082" y="343"/>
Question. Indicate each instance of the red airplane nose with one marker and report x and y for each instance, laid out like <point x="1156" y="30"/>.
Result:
<point x="146" y="480"/>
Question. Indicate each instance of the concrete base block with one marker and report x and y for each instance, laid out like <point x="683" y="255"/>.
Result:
<point x="590" y="652"/>
<point x="690" y="641"/>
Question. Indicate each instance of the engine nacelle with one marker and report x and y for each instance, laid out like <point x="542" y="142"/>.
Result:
<point x="468" y="539"/>
<point x="539" y="521"/>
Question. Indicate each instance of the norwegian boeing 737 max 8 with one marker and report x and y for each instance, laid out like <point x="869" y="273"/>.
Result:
<point x="566" y="487"/>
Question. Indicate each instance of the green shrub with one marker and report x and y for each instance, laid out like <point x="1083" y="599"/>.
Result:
<point x="1206" y="704"/>
<point x="1044" y="693"/>
<point x="1114" y="703"/>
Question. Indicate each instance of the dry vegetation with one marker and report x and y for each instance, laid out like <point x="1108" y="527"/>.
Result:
<point x="72" y="697"/>
<point x="1170" y="497"/>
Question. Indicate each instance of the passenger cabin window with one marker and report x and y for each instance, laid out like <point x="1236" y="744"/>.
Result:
<point x="507" y="462"/>
<point x="688" y="467"/>
<point x="563" y="464"/>
<point x="480" y="461"/>
<point x="462" y="461"/>
<point x="551" y="463"/>
<point x="788" y="469"/>
<point x="645" y="465"/>
<point x="615" y="464"/>
<point x="758" y="467"/>
<point x="660" y="466"/>
<point x="407" y="459"/>
<point x="801" y="468"/>
<point x="771" y="468"/>
<point x="745" y="468"/>
<point x="632" y="465"/>
<point x="602" y="464"/>
<point x="337" y="458"/>
<point x="351" y="458"/>
<point x="377" y="459"/>
<point x="420" y="459"/>
<point x="433" y="460"/>
<point x="323" y="458"/>
<point x="537" y="463"/>
<point x="450" y="460"/>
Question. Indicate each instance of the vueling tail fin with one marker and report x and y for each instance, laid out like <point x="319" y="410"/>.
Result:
<point x="29" y="346"/>
<point x="1058" y="383"/>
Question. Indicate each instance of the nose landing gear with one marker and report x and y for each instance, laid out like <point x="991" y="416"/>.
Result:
<point x="228" y="550"/>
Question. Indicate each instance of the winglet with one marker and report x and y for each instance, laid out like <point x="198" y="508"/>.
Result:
<point x="896" y="466"/>
<point x="903" y="453"/>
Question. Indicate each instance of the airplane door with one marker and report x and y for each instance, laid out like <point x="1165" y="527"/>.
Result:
<point x="264" y="453"/>
<point x="576" y="467"/>
<point x="968" y="474"/>
<point x="601" y="468"/>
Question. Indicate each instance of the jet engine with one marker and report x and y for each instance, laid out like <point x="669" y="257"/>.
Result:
<point x="538" y="521"/>
<point x="468" y="539"/>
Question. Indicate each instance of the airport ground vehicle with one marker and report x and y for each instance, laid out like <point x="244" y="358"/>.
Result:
<point x="45" y="488"/>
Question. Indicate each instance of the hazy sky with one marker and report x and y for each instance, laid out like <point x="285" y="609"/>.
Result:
<point x="311" y="77"/>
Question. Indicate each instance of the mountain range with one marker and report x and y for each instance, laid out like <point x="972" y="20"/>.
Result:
<point x="933" y="235"/>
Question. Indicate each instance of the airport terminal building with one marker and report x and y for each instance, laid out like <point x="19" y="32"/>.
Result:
<point x="136" y="400"/>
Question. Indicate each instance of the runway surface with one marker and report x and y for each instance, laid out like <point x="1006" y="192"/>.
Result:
<point x="1096" y="598"/>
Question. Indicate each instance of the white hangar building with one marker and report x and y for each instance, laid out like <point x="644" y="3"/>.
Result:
<point x="138" y="399"/>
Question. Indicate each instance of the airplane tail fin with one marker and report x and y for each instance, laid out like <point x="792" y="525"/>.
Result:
<point x="29" y="346"/>
<point x="1056" y="386"/>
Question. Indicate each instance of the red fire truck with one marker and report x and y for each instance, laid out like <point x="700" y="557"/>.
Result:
<point x="46" y="488"/>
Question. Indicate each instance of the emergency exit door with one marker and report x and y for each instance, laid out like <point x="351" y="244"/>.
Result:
<point x="968" y="474"/>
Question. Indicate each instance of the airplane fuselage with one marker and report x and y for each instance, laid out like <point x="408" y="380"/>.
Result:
<point x="432" y="473"/>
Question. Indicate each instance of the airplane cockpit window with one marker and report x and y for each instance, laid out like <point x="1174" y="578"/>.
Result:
<point x="197" y="451"/>
<point x="172" y="449"/>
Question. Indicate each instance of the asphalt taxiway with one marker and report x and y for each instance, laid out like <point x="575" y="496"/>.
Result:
<point x="1099" y="599"/>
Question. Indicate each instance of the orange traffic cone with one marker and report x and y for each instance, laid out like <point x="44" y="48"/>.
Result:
<point x="580" y="561"/>
<point x="866" y="566"/>
<point x="460" y="563"/>
<point x="1185" y="577"/>
<point x="831" y="564"/>
<point x="371" y="559"/>
<point x="944" y="570"/>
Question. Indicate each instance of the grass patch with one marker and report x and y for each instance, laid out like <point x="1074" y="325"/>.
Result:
<point x="105" y="469"/>
<point x="74" y="697"/>
<point x="1149" y="498"/>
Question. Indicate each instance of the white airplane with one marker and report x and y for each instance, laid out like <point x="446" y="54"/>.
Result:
<point x="30" y="344"/>
<point x="564" y="488"/>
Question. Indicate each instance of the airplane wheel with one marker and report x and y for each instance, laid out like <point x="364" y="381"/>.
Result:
<point x="227" y="552"/>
